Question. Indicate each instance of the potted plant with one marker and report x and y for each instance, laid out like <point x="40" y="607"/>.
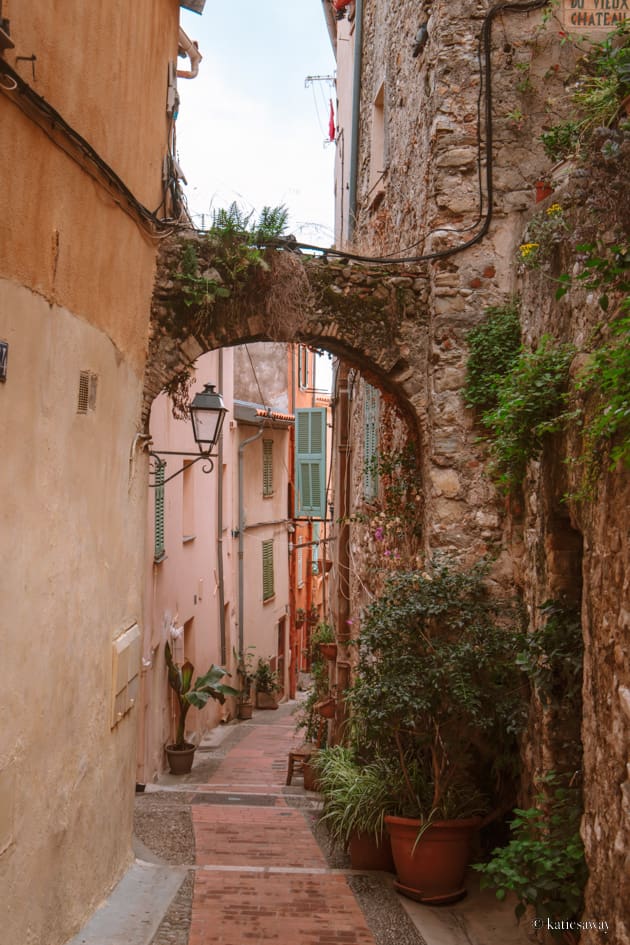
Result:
<point x="180" y="753"/>
<point x="267" y="686"/>
<point x="323" y="639"/>
<point x="300" y="617"/>
<point x="436" y="692"/>
<point x="356" y="798"/>
<point x="246" y="675"/>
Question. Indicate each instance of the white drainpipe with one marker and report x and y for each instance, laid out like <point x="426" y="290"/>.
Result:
<point x="187" y="47"/>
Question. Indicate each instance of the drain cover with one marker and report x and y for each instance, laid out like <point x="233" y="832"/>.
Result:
<point x="243" y="800"/>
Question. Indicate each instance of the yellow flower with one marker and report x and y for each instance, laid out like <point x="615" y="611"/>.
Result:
<point x="526" y="249"/>
<point x="554" y="210"/>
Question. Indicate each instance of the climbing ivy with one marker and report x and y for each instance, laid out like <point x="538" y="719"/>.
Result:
<point x="531" y="401"/>
<point x="494" y="347"/>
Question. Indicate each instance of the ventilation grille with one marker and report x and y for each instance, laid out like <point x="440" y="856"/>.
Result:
<point x="88" y="383"/>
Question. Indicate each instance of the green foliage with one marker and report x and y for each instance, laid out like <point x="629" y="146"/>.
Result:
<point x="237" y="241"/>
<point x="561" y="140"/>
<point x="208" y="686"/>
<point x="604" y="384"/>
<point x="531" y="400"/>
<point x="544" y="863"/>
<point x="323" y="633"/>
<point x="552" y="658"/>
<point x="601" y="83"/>
<point x="436" y="686"/>
<point x="356" y="796"/>
<point x="494" y="347"/>
<point x="265" y="677"/>
<point x="245" y="672"/>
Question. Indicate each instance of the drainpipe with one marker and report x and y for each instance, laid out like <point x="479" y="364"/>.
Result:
<point x="356" y="110"/>
<point x="241" y="537"/>
<point x="188" y="47"/>
<point x="222" y="634"/>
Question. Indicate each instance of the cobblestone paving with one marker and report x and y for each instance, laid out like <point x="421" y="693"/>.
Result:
<point x="262" y="862"/>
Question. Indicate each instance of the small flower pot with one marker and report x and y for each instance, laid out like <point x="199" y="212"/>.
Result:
<point x="245" y="710"/>
<point x="543" y="190"/>
<point x="326" y="708"/>
<point x="180" y="760"/>
<point x="328" y="650"/>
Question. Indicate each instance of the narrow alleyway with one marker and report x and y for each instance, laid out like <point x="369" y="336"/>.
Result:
<point x="260" y="874"/>
<point x="258" y="868"/>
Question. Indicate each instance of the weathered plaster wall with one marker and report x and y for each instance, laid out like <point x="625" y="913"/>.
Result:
<point x="76" y="273"/>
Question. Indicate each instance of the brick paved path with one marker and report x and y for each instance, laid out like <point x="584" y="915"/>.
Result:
<point x="261" y="877"/>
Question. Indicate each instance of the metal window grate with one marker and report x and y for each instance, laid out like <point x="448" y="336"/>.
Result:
<point x="267" y="467"/>
<point x="88" y="385"/>
<point x="159" y="549"/>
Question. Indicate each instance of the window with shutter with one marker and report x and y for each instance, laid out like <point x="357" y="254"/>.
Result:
<point x="267" y="569"/>
<point x="370" y="441"/>
<point x="159" y="549"/>
<point x="267" y="467"/>
<point x="310" y="462"/>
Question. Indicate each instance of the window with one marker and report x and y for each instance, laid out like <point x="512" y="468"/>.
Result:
<point x="370" y="441"/>
<point x="310" y="462"/>
<point x="267" y="569"/>
<point x="267" y="467"/>
<point x="303" y="365"/>
<point x="158" y="527"/>
<point x="188" y="501"/>
<point x="378" y="162"/>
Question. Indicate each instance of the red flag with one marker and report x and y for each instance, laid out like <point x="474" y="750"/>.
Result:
<point x="331" y="123"/>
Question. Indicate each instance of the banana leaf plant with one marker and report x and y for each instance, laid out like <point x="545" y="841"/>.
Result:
<point x="208" y="686"/>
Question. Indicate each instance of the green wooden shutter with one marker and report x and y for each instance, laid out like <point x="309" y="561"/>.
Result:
<point x="267" y="467"/>
<point x="310" y="462"/>
<point x="370" y="441"/>
<point x="267" y="569"/>
<point x="158" y="529"/>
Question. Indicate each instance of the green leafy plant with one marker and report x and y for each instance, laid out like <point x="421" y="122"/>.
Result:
<point x="436" y="689"/>
<point x="208" y="686"/>
<point x="265" y="677"/>
<point x="356" y="796"/>
<point x="323" y="633"/>
<point x="494" y="346"/>
<point x="552" y="658"/>
<point x="544" y="231"/>
<point x="531" y="401"/>
<point x="245" y="672"/>
<point x="544" y="862"/>
<point x="561" y="140"/>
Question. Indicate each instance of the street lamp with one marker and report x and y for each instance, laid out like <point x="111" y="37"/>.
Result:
<point x="207" y="413"/>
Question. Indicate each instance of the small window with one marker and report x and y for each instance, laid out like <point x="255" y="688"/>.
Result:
<point x="158" y="528"/>
<point x="303" y="366"/>
<point x="188" y="501"/>
<point x="267" y="569"/>
<point x="267" y="468"/>
<point x="378" y="159"/>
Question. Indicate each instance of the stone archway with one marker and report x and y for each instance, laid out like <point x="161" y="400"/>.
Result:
<point x="374" y="317"/>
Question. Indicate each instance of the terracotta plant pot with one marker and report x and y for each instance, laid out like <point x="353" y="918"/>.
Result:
<point x="310" y="778"/>
<point x="245" y="710"/>
<point x="434" y="871"/>
<point x="367" y="854"/>
<point x="326" y="708"/>
<point x="328" y="650"/>
<point x="543" y="190"/>
<point x="266" y="700"/>
<point x="180" y="760"/>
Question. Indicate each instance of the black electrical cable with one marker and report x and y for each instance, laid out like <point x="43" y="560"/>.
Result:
<point x="485" y="39"/>
<point x="36" y="101"/>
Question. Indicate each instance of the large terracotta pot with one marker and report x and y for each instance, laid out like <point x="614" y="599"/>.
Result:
<point x="180" y="760"/>
<point x="434" y="871"/>
<point x="328" y="650"/>
<point x="266" y="700"/>
<point x="367" y="854"/>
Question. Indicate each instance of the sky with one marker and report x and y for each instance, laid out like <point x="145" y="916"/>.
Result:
<point x="248" y="129"/>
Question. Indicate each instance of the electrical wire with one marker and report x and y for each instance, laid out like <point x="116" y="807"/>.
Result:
<point x="37" y="108"/>
<point x="485" y="69"/>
